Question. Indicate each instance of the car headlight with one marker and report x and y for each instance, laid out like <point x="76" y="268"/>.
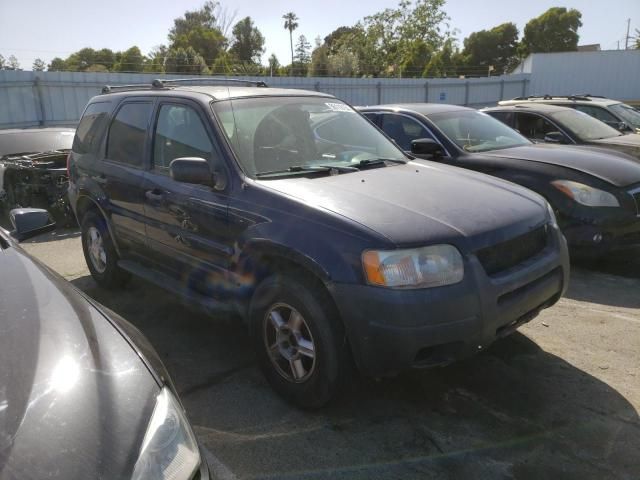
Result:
<point x="586" y="195"/>
<point x="169" y="450"/>
<point x="432" y="266"/>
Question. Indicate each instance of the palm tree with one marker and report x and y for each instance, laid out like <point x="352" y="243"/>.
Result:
<point x="290" y="23"/>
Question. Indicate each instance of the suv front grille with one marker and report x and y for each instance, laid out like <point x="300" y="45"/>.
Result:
<point x="505" y="255"/>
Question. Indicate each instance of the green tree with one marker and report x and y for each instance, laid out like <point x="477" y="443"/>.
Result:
<point x="333" y="40"/>
<point x="56" y="65"/>
<point x="81" y="60"/>
<point x="185" y="60"/>
<point x="97" y="67"/>
<point x="106" y="57"/>
<point x="445" y="63"/>
<point x="290" y="23"/>
<point x="130" y="60"/>
<point x="343" y="63"/>
<point x="2" y="62"/>
<point x="274" y="65"/>
<point x="319" y="61"/>
<point x="303" y="55"/>
<point x="12" y="63"/>
<point x="497" y="47"/>
<point x="199" y="30"/>
<point x="556" y="30"/>
<point x="248" y="42"/>
<point x="38" y="65"/>
<point x="387" y="40"/>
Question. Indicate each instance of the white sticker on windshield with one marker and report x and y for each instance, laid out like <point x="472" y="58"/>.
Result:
<point x="339" y="107"/>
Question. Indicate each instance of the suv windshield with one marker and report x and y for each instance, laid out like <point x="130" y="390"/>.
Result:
<point x="476" y="131"/>
<point x="279" y="134"/>
<point x="630" y="115"/>
<point x="584" y="126"/>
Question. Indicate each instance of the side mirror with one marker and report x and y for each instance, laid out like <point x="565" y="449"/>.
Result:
<point x="426" y="146"/>
<point x="555" y="137"/>
<point x="623" y="127"/>
<point x="29" y="222"/>
<point x="196" y="170"/>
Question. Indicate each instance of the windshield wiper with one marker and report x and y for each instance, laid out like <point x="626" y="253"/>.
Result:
<point x="307" y="168"/>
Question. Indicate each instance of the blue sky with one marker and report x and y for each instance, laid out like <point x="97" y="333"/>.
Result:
<point x="48" y="28"/>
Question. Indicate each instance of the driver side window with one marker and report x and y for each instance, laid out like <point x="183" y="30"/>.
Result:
<point x="179" y="133"/>
<point x="533" y="126"/>
<point x="403" y="130"/>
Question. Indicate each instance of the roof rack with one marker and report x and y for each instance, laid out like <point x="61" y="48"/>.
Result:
<point x="124" y="88"/>
<point x="580" y="96"/>
<point x="161" y="83"/>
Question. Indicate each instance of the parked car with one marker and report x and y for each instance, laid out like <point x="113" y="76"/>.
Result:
<point x="616" y="114"/>
<point x="565" y="126"/>
<point x="594" y="193"/>
<point x="334" y="248"/>
<point x="33" y="170"/>
<point x="82" y="392"/>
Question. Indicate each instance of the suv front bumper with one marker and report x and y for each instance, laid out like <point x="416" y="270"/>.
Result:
<point x="392" y="330"/>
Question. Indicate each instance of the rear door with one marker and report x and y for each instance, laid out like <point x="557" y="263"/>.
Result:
<point x="186" y="223"/>
<point x="122" y="173"/>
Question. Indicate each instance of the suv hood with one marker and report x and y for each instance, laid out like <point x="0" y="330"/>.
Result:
<point x="423" y="202"/>
<point x="74" y="395"/>
<point x="610" y="166"/>
<point x="629" y="143"/>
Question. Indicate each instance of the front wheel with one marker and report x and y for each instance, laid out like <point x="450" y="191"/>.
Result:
<point x="299" y="340"/>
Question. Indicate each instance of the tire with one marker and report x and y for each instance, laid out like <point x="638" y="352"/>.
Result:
<point x="319" y="379"/>
<point x="103" y="264"/>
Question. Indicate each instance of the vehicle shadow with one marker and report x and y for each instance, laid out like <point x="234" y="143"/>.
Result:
<point x="514" y="411"/>
<point x="618" y="280"/>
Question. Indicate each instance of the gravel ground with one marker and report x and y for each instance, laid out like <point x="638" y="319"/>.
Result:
<point x="557" y="400"/>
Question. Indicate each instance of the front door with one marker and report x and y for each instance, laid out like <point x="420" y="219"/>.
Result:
<point x="186" y="224"/>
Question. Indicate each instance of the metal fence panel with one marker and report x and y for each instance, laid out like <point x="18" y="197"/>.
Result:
<point x="58" y="98"/>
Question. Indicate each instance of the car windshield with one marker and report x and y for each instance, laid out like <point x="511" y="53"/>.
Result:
<point x="584" y="126"/>
<point x="280" y="134"/>
<point x="629" y="114"/>
<point x="476" y="131"/>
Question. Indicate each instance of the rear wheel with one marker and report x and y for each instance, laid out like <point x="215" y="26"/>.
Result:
<point x="100" y="253"/>
<point x="299" y="340"/>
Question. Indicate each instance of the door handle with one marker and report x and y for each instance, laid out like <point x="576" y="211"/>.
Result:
<point x="155" y="195"/>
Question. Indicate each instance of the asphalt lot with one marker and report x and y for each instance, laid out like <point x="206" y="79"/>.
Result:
<point x="557" y="400"/>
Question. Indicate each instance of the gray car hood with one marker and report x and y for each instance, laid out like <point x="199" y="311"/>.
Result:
<point x="75" y="398"/>
<point x="625" y="143"/>
<point x="608" y="165"/>
<point x="424" y="202"/>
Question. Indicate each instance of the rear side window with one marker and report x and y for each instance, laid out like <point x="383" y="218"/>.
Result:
<point x="597" y="112"/>
<point x="179" y="133"/>
<point x="128" y="133"/>
<point x="91" y="128"/>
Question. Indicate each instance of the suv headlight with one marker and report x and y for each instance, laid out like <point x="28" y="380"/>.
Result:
<point x="586" y="195"/>
<point x="169" y="450"/>
<point x="432" y="266"/>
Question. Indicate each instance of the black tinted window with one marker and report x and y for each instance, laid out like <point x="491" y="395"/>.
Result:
<point x="533" y="126"/>
<point x="91" y="127"/>
<point x="127" y="133"/>
<point x="179" y="133"/>
<point x="504" y="117"/>
<point x="597" y="112"/>
<point x="403" y="130"/>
